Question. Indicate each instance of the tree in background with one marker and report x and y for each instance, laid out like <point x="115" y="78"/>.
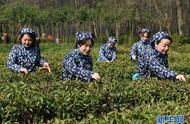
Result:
<point x="118" y="17"/>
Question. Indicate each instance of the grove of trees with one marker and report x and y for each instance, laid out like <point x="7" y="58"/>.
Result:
<point x="117" y="17"/>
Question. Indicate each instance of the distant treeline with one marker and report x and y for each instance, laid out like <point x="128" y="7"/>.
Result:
<point x="102" y="17"/>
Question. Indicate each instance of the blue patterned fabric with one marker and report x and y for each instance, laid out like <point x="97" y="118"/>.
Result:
<point x="106" y="53"/>
<point x="77" y="66"/>
<point x="83" y="36"/>
<point x="143" y="30"/>
<point x="159" y="36"/>
<point x="112" y="40"/>
<point x="155" y="64"/>
<point x="25" y="30"/>
<point x="138" y="49"/>
<point x="28" y="30"/>
<point x="24" y="57"/>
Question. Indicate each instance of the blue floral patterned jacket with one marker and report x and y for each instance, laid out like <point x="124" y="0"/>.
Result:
<point x="155" y="64"/>
<point x="24" y="57"/>
<point x="138" y="49"/>
<point x="77" y="66"/>
<point x="106" y="53"/>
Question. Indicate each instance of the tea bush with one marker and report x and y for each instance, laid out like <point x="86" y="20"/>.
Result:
<point x="44" y="98"/>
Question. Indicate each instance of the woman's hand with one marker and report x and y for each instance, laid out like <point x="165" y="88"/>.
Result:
<point x="96" y="76"/>
<point x="180" y="77"/>
<point x="46" y="67"/>
<point x="23" y="71"/>
<point x="133" y="57"/>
